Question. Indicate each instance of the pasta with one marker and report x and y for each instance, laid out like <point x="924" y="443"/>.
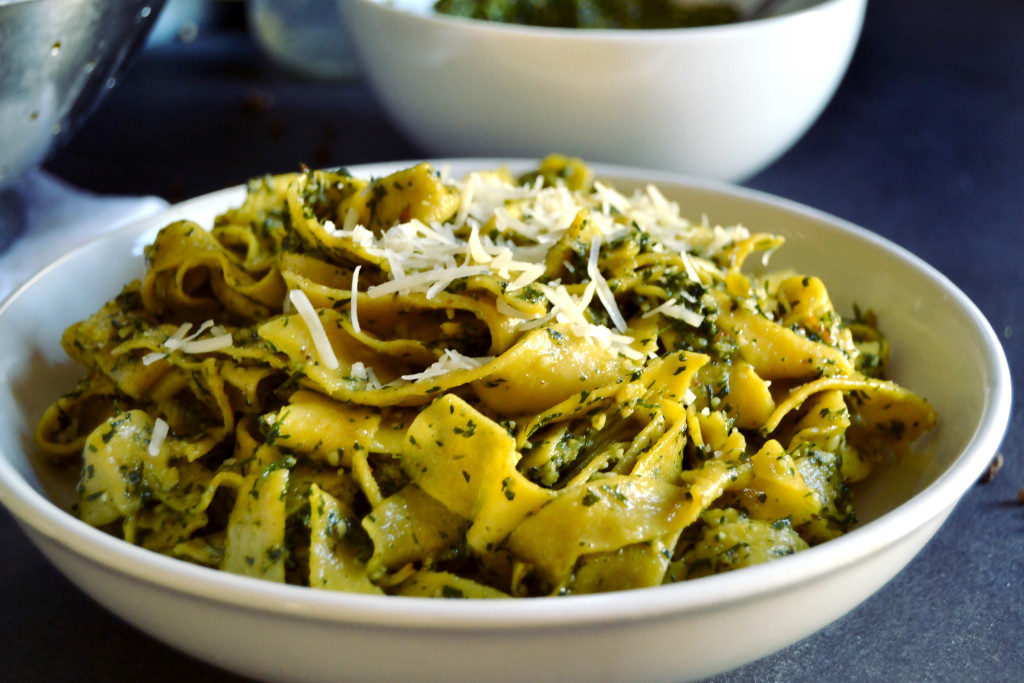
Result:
<point x="486" y="387"/>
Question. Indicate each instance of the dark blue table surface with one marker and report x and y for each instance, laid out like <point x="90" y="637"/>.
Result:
<point x="923" y="143"/>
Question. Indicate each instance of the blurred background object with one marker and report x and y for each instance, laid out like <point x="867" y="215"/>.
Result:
<point x="304" y="36"/>
<point x="181" y="20"/>
<point x="720" y="102"/>
<point x="57" y="60"/>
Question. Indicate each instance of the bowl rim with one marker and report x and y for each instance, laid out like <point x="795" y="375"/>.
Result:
<point x="35" y="513"/>
<point x="818" y="9"/>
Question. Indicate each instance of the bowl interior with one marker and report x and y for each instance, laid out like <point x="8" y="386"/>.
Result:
<point x="33" y="366"/>
<point x="942" y="348"/>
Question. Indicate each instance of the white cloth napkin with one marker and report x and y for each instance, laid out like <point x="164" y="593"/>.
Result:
<point x="60" y="217"/>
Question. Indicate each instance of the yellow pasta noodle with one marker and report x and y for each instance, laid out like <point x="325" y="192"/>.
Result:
<point x="481" y="387"/>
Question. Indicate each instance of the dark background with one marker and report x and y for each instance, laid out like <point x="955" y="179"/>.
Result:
<point x="923" y="143"/>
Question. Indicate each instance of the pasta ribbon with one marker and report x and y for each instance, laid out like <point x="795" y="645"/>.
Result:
<point x="468" y="462"/>
<point x="410" y="527"/>
<point x="608" y="514"/>
<point x="333" y="564"/>
<point x="483" y="387"/>
<point x="256" y="527"/>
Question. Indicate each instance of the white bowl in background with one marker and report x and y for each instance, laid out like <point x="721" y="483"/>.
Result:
<point x="943" y="348"/>
<point x="719" y="102"/>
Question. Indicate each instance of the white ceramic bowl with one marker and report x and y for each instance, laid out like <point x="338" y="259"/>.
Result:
<point x="719" y="102"/>
<point x="943" y="348"/>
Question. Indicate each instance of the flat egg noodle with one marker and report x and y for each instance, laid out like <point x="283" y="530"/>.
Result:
<point x="508" y="386"/>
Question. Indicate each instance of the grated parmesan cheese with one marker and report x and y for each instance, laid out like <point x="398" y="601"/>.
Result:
<point x="604" y="292"/>
<point x="156" y="441"/>
<point x="365" y="373"/>
<point x="510" y="311"/>
<point x="186" y="343"/>
<point x="449" y="361"/>
<point x="221" y="341"/>
<point x="153" y="357"/>
<point x="321" y="344"/>
<point x="505" y="230"/>
<point x="674" y="310"/>
<point x="353" y="301"/>
<point x="434" y="281"/>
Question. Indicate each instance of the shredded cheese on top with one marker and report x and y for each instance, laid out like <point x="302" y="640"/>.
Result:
<point x="353" y="300"/>
<point x="604" y="292"/>
<point x="365" y="373"/>
<point x="321" y="344"/>
<point x="449" y="361"/>
<point x="181" y="340"/>
<point x="156" y="441"/>
<point x="505" y="230"/>
<point x="674" y="310"/>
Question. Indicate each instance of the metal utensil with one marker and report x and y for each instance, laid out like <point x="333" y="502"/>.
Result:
<point x="57" y="59"/>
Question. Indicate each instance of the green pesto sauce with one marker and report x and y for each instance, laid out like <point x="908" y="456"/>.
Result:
<point x="592" y="14"/>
